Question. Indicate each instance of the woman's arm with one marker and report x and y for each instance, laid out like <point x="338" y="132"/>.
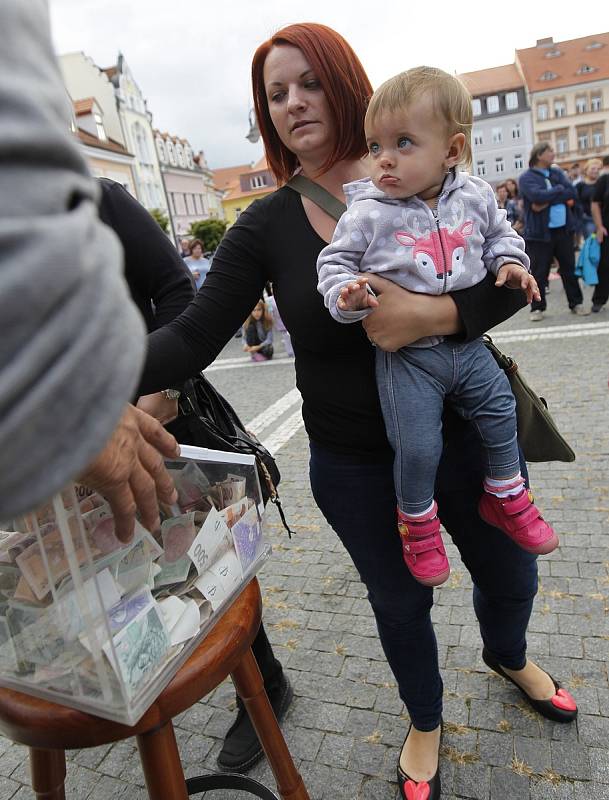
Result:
<point x="403" y="317"/>
<point x="232" y="288"/>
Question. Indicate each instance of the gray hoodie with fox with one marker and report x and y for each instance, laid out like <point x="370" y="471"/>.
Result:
<point x="426" y="251"/>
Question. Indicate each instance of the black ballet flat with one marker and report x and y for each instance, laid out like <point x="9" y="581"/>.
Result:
<point x="423" y="790"/>
<point x="559" y="708"/>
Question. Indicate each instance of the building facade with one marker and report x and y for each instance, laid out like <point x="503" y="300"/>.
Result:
<point x="568" y="85"/>
<point x="502" y="134"/>
<point x="136" y="124"/>
<point x="243" y="184"/>
<point x="188" y="182"/>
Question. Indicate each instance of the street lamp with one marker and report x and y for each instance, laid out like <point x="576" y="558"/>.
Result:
<point x="254" y="132"/>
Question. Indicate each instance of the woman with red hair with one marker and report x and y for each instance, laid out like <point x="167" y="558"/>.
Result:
<point x="310" y="95"/>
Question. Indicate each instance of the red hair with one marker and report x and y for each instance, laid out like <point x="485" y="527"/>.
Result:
<point x="343" y="81"/>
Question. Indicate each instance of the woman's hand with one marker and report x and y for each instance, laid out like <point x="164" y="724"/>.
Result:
<point x="159" y="407"/>
<point x="402" y="317"/>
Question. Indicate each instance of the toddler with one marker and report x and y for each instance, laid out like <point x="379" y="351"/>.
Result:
<point x="422" y="223"/>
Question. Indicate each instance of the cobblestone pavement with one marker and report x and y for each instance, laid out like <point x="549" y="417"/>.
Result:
<point x="346" y="724"/>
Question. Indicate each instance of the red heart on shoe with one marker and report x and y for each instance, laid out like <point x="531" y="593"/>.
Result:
<point x="416" y="791"/>
<point x="562" y="699"/>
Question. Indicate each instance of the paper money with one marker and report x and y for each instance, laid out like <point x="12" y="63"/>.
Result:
<point x="247" y="536"/>
<point x="228" y="569"/>
<point x="192" y="485"/>
<point x="69" y="612"/>
<point x="210" y="586"/>
<point x="175" y="572"/>
<point x="99" y="524"/>
<point x="182" y="618"/>
<point x="232" y="513"/>
<point x="178" y="534"/>
<point x="141" y="648"/>
<point x="233" y="489"/>
<point x="8" y="656"/>
<point x="212" y="537"/>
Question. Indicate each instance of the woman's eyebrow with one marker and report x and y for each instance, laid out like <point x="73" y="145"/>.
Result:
<point x="280" y="83"/>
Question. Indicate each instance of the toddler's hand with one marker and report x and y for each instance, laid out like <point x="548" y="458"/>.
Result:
<point x="355" y="296"/>
<point x="516" y="277"/>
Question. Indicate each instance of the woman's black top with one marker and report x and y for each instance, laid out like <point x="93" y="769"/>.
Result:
<point x="273" y="240"/>
<point x="585" y="193"/>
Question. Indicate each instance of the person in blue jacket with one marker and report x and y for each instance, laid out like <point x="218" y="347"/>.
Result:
<point x="548" y="198"/>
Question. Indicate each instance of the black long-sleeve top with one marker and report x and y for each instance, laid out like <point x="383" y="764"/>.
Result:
<point x="273" y="240"/>
<point x="159" y="281"/>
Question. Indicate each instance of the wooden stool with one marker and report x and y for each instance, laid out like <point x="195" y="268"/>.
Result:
<point x="49" y="729"/>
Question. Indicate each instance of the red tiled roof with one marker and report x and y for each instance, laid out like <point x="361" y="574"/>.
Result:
<point x="103" y="144"/>
<point x="225" y="177"/>
<point x="495" y="79"/>
<point x="566" y="61"/>
<point x="84" y="106"/>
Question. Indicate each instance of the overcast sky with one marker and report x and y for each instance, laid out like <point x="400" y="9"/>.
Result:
<point x="191" y="58"/>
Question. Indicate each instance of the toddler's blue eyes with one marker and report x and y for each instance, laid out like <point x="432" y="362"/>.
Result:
<point x="403" y="141"/>
<point x="374" y="148"/>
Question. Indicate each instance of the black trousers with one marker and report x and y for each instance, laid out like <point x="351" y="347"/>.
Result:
<point x="541" y="254"/>
<point x="601" y="290"/>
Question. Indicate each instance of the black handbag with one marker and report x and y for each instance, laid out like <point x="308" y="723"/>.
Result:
<point x="213" y="423"/>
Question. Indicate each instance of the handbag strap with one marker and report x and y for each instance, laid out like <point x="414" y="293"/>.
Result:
<point x="320" y="196"/>
<point x="207" y="783"/>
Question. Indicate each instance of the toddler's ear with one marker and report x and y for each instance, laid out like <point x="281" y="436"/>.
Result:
<point x="456" y="146"/>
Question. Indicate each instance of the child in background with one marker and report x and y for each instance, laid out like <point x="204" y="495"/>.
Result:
<point x="278" y="322"/>
<point x="258" y="333"/>
<point x="420" y="222"/>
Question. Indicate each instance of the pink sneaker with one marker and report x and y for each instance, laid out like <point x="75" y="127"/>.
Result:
<point x="519" y="518"/>
<point x="423" y="548"/>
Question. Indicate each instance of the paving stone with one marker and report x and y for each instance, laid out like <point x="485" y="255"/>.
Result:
<point x="496" y="749"/>
<point x="505" y="783"/>
<point x="472" y="780"/>
<point x="571" y="760"/>
<point x="534" y="752"/>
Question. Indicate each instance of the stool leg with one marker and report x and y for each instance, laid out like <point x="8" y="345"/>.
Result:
<point x="250" y="687"/>
<point x="161" y="764"/>
<point x="48" y="770"/>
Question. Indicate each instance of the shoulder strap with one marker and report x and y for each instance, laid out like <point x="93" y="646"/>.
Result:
<point x="320" y="196"/>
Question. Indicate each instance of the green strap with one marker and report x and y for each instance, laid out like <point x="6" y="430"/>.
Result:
<point x="320" y="196"/>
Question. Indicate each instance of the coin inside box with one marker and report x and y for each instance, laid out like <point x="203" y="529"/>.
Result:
<point x="101" y="625"/>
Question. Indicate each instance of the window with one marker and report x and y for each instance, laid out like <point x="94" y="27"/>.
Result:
<point x="476" y="107"/>
<point x="518" y="162"/>
<point x="517" y="131"/>
<point x="160" y="146"/>
<point x="258" y="181"/>
<point x="511" y="101"/>
<point x="480" y="169"/>
<point x="180" y="155"/>
<point x="582" y="141"/>
<point x="478" y="138"/>
<point x="141" y="144"/>
<point x="99" y="127"/>
<point x="554" y="53"/>
<point x="597" y="139"/>
<point x="596" y="102"/>
<point x="562" y="144"/>
<point x="499" y="164"/>
<point x="542" y="111"/>
<point x="492" y="104"/>
<point x="581" y="104"/>
<point x="560" y="108"/>
<point x="594" y="45"/>
<point x="172" y="153"/>
<point x="497" y="135"/>
<point x="189" y="159"/>
<point x="585" y="69"/>
<point x="548" y="76"/>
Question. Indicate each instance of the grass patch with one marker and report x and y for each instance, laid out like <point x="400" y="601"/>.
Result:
<point x="457" y="757"/>
<point x="521" y="767"/>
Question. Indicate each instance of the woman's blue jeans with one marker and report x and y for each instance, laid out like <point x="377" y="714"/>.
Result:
<point x="358" y="500"/>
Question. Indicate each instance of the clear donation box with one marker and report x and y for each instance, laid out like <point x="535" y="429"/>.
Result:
<point x="101" y="625"/>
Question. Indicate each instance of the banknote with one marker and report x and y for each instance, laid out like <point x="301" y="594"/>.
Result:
<point x="178" y="534"/>
<point x="247" y="536"/>
<point x="13" y="543"/>
<point x="210" y="586"/>
<point x="182" y="618"/>
<point x="210" y="539"/>
<point x="233" y="489"/>
<point x="36" y="638"/>
<point x="8" y="656"/>
<point x="175" y="572"/>
<point x="192" y="485"/>
<point x="99" y="524"/>
<point x="232" y="513"/>
<point x="121" y="614"/>
<point x="72" y="608"/>
<point x="32" y="563"/>
<point x="141" y="648"/>
<point x="228" y="569"/>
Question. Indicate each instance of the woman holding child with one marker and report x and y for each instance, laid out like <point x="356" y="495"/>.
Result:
<point x="310" y="95"/>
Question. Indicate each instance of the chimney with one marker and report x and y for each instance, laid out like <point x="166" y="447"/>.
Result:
<point x="547" y="42"/>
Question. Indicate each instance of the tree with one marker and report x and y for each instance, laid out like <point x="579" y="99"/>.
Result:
<point x="161" y="218"/>
<point x="209" y="231"/>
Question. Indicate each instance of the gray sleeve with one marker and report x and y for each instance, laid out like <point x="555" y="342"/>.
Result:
<point x="72" y="342"/>
<point x="502" y="245"/>
<point x="338" y="265"/>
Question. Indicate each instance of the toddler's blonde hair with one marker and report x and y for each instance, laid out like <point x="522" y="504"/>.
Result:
<point x="450" y="99"/>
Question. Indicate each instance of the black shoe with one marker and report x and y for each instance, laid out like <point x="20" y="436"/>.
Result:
<point x="559" y="708"/>
<point x="241" y="748"/>
<point x="423" y="790"/>
<point x="596" y="307"/>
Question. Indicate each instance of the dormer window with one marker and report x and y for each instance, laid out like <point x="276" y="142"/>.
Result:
<point x="585" y="69"/>
<point x="553" y="53"/>
<point x="99" y="127"/>
<point x="594" y="45"/>
<point x="548" y="75"/>
<point x="171" y="153"/>
<point x="161" y="149"/>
